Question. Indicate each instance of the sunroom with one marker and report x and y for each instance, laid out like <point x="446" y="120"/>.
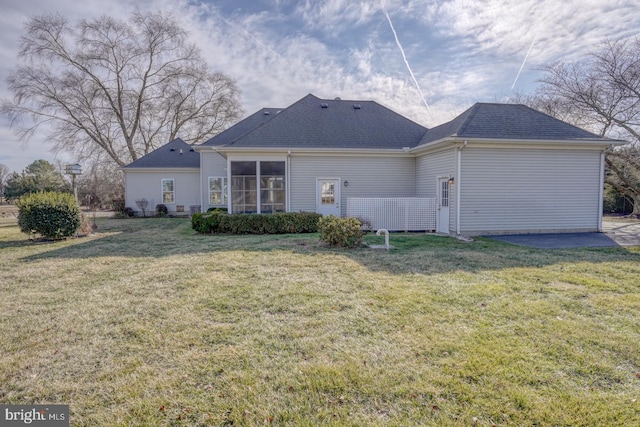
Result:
<point x="257" y="186"/>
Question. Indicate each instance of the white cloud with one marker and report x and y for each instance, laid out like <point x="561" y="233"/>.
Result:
<point x="506" y="27"/>
<point x="337" y="15"/>
<point x="461" y="51"/>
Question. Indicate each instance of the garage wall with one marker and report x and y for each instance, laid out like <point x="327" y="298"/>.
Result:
<point x="148" y="185"/>
<point x="529" y="190"/>
<point x="368" y="176"/>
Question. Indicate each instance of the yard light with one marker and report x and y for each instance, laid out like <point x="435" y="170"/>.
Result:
<point x="73" y="170"/>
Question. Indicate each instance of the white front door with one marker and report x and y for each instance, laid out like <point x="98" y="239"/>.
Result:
<point x="328" y="196"/>
<point x="442" y="225"/>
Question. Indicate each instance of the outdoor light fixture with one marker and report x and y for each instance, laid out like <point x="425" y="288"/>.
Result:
<point x="451" y="181"/>
<point x="346" y="183"/>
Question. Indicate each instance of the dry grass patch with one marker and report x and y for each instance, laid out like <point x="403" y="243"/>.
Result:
<point x="146" y="323"/>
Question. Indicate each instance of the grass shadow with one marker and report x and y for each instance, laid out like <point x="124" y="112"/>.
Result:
<point x="414" y="253"/>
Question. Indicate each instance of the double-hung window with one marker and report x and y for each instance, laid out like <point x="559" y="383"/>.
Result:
<point x="168" y="191"/>
<point x="217" y="191"/>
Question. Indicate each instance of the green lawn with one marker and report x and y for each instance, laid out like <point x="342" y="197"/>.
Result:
<point x="146" y="323"/>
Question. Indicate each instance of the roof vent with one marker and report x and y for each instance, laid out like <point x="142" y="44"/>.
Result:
<point x="357" y="106"/>
<point x="337" y="98"/>
<point x="266" y="113"/>
<point x="172" y="149"/>
<point x="192" y="149"/>
<point x="324" y="105"/>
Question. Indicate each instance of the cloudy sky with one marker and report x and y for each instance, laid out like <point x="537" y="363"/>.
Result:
<point x="444" y="56"/>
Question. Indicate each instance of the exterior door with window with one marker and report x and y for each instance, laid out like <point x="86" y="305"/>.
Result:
<point x="442" y="225"/>
<point x="328" y="197"/>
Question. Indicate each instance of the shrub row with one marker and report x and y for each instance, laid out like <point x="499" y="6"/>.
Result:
<point x="50" y="214"/>
<point x="276" y="223"/>
<point x="343" y="232"/>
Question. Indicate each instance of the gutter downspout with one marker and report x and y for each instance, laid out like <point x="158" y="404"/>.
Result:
<point x="601" y="192"/>
<point x="202" y="199"/>
<point x="228" y="185"/>
<point x="288" y="189"/>
<point x="458" y="182"/>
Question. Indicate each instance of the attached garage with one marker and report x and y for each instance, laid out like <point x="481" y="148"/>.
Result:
<point x="528" y="189"/>
<point x="513" y="169"/>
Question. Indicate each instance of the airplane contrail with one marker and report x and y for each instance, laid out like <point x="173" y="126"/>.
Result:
<point x="415" y="81"/>
<point x="523" y="62"/>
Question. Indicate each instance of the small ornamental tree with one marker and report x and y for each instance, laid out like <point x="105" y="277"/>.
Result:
<point x="143" y="204"/>
<point x="50" y="214"/>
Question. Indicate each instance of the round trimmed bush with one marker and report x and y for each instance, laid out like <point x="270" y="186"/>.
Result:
<point x="129" y="212"/>
<point x="51" y="214"/>
<point x="161" y="210"/>
<point x="342" y="232"/>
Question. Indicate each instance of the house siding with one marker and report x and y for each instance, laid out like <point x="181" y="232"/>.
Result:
<point x="211" y="164"/>
<point x="368" y="176"/>
<point x="529" y="190"/>
<point x="431" y="166"/>
<point x="147" y="185"/>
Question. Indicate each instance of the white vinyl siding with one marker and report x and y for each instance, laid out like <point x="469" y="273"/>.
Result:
<point x="429" y="168"/>
<point x="366" y="176"/>
<point x="212" y="165"/>
<point x="529" y="190"/>
<point x="148" y="185"/>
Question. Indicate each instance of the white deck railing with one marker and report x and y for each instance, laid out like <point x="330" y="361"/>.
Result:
<point x="394" y="213"/>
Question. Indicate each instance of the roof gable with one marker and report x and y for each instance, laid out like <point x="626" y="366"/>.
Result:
<point x="312" y="122"/>
<point x="507" y="121"/>
<point x="175" y="154"/>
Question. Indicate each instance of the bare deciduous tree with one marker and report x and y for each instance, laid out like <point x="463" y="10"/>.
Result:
<point x="602" y="94"/>
<point x="4" y="175"/>
<point x="115" y="89"/>
<point x="101" y="186"/>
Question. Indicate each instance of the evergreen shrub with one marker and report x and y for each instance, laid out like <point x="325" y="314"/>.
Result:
<point x="342" y="232"/>
<point x="275" y="223"/>
<point x="51" y="215"/>
<point x="161" y="210"/>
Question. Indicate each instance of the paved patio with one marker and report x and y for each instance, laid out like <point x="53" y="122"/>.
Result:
<point x="614" y="233"/>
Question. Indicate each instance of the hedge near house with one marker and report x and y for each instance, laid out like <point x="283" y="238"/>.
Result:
<point x="51" y="215"/>
<point x="276" y="223"/>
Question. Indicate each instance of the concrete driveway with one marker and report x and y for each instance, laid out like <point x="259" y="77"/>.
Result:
<point x="614" y="233"/>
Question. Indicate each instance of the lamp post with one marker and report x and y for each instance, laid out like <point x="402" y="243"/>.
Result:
<point x="73" y="170"/>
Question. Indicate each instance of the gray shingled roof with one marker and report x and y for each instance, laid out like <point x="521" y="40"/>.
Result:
<point x="312" y="122"/>
<point x="242" y="127"/>
<point x="175" y="154"/>
<point x="507" y="121"/>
